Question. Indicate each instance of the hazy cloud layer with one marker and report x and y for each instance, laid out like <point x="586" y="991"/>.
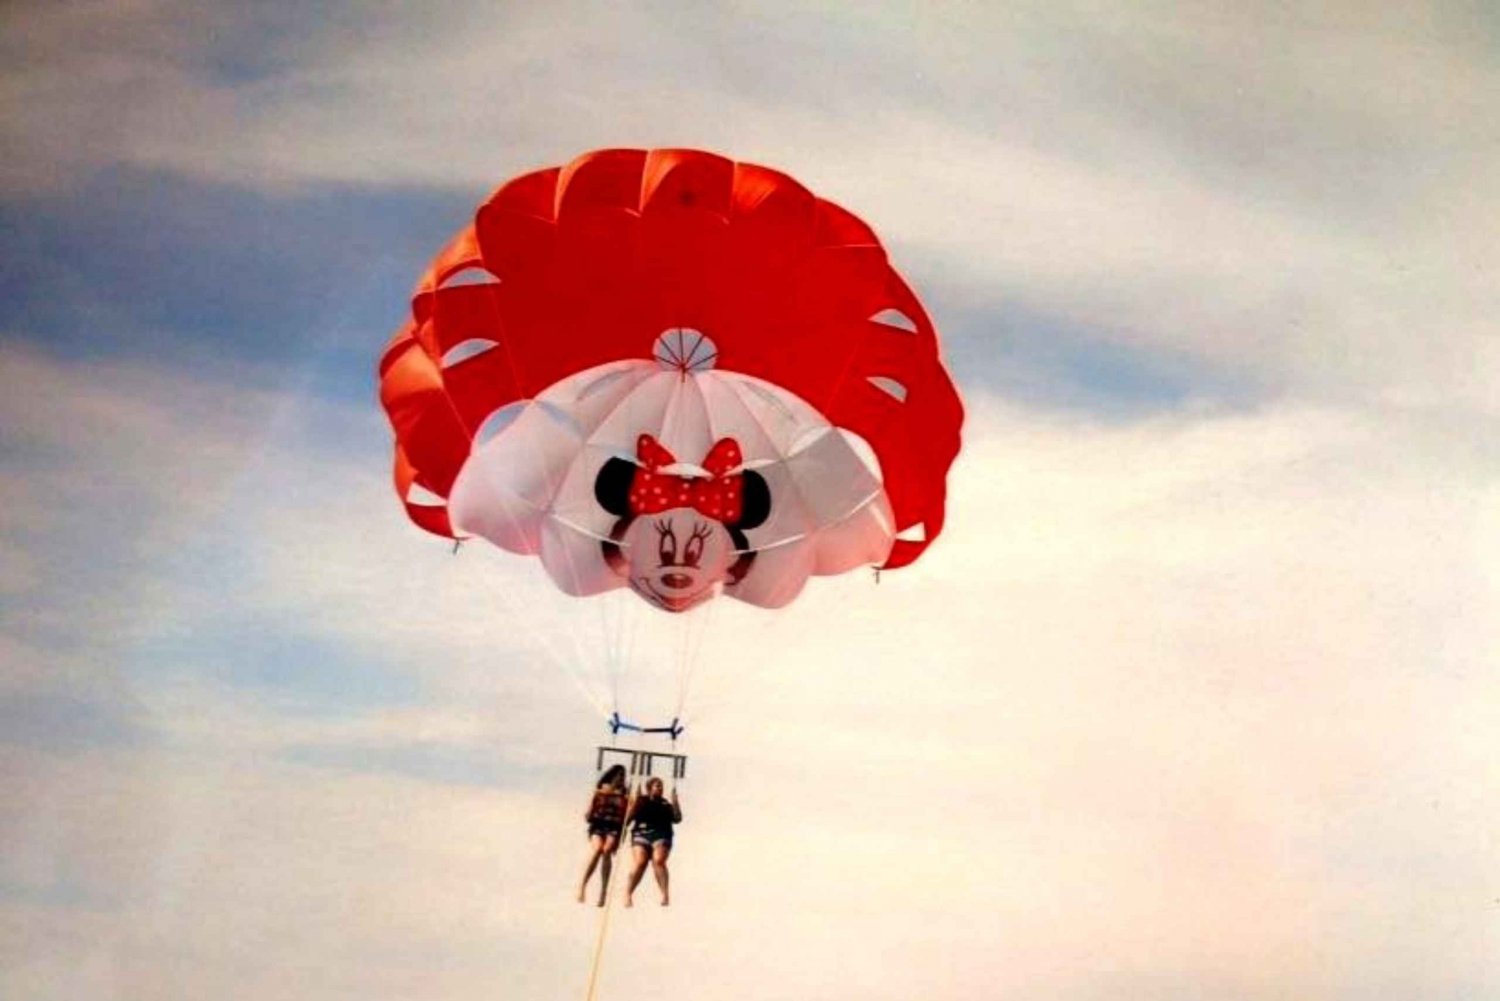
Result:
<point x="1194" y="698"/>
<point x="1306" y="197"/>
<point x="1197" y="704"/>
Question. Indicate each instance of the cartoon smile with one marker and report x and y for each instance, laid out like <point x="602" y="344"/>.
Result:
<point x="669" y="602"/>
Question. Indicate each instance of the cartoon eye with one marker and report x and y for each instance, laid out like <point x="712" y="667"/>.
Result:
<point x="693" y="551"/>
<point x="667" y="545"/>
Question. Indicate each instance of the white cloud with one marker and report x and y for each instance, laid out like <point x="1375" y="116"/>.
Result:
<point x="1306" y="199"/>
<point x="112" y="468"/>
<point x="1195" y="705"/>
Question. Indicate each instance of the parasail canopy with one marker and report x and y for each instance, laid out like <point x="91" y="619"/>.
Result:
<point x="673" y="372"/>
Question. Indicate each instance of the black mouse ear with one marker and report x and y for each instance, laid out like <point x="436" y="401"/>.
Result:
<point x="612" y="486"/>
<point x="755" y="505"/>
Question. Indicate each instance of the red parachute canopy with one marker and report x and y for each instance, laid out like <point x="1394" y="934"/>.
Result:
<point x="575" y="266"/>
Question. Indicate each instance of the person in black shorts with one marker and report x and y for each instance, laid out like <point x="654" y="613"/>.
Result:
<point x="606" y="818"/>
<point x="651" y="819"/>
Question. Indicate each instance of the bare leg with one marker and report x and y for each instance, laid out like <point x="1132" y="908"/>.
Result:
<point x="659" y="869"/>
<point x="596" y="849"/>
<point x="637" y="870"/>
<point x="606" y="865"/>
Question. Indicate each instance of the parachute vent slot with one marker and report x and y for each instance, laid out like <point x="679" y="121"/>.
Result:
<point x="420" y="496"/>
<point x="913" y="533"/>
<point x="464" y="350"/>
<point x="604" y="381"/>
<point x="891" y="387"/>
<point x="472" y="275"/>
<point x="498" y="421"/>
<point x="895" y="319"/>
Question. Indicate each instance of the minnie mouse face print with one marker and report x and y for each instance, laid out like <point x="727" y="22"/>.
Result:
<point x="677" y="559"/>
<point x="680" y="538"/>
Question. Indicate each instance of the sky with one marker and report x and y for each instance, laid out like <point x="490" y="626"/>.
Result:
<point x="1196" y="697"/>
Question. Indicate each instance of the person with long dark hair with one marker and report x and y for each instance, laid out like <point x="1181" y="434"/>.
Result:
<point x="606" y="818"/>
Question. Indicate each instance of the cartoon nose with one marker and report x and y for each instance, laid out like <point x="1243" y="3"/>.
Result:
<point x="678" y="581"/>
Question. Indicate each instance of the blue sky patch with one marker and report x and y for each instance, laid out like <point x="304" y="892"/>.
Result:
<point x="271" y="663"/>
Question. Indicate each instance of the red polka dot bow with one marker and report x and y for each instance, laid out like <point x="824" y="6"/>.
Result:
<point x="719" y="496"/>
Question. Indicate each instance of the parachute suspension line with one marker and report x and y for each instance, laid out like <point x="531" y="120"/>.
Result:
<point x="581" y="656"/>
<point x="620" y="616"/>
<point x="634" y="611"/>
<point x="618" y="633"/>
<point x="697" y="655"/>
<point x="680" y="655"/>
<point x="686" y="648"/>
<point x="695" y="631"/>
<point x="585" y="657"/>
<point x="579" y="664"/>
<point x="610" y="630"/>
<point x="566" y="663"/>
<point x="702" y="708"/>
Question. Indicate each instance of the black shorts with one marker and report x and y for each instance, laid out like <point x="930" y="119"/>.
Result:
<point x="648" y="838"/>
<point x="601" y="829"/>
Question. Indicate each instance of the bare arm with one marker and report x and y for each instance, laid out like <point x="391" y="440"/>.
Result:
<point x="676" y="807"/>
<point x="630" y="807"/>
